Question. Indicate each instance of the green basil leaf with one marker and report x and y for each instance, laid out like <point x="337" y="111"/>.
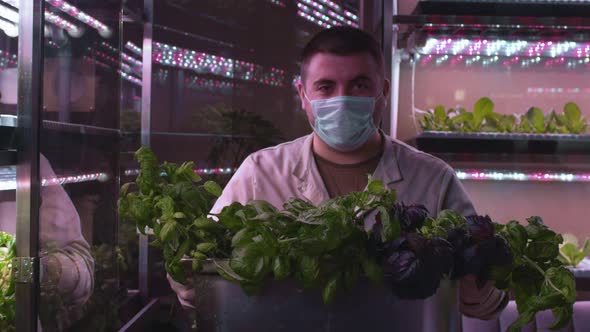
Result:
<point x="167" y="231"/>
<point x="206" y="224"/>
<point x="225" y="271"/>
<point x="375" y="187"/>
<point x="197" y="264"/>
<point x="281" y="268"/>
<point x="206" y="247"/>
<point x="213" y="188"/>
<point x="243" y="237"/>
<point x="166" y="206"/>
<point x="516" y="235"/>
<point x="331" y="288"/>
<point x="125" y="189"/>
<point x="186" y="173"/>
<point x="564" y="280"/>
<point x="391" y="229"/>
<point x="183" y="249"/>
<point x="248" y="261"/>
<point x="563" y="316"/>
<point x="148" y="170"/>
<point x="228" y="217"/>
<point x="542" y="250"/>
<point x="310" y="269"/>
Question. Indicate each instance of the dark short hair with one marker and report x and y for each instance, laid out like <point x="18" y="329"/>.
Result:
<point x="341" y="40"/>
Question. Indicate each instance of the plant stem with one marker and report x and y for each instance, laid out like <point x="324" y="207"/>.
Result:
<point x="547" y="280"/>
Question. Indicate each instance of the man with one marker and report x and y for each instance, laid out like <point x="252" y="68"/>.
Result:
<point x="344" y="91"/>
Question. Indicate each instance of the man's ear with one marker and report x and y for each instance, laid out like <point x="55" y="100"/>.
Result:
<point x="386" y="89"/>
<point x="300" y="88"/>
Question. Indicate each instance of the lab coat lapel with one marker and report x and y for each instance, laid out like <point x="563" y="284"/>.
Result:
<point x="310" y="186"/>
<point x="388" y="169"/>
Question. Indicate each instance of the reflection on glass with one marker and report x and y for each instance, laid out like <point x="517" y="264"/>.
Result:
<point x="86" y="82"/>
<point x="67" y="266"/>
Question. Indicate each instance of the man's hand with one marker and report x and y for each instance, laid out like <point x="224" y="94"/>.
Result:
<point x="483" y="303"/>
<point x="185" y="293"/>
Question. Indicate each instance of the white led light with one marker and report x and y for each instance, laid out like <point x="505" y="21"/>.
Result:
<point x="9" y="14"/>
<point x="76" y="13"/>
<point x="10" y="29"/>
<point x="71" y="28"/>
<point x="131" y="60"/>
<point x="278" y="3"/>
<point x="8" y="179"/>
<point x="130" y="78"/>
<point x="133" y="48"/>
<point x="13" y="3"/>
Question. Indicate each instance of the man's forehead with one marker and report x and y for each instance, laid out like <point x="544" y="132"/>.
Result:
<point x="341" y="67"/>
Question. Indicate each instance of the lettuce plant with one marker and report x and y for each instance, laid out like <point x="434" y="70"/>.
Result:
<point x="7" y="296"/>
<point x="484" y="119"/>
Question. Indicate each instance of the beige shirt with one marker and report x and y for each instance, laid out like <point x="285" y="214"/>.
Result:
<point x="340" y="180"/>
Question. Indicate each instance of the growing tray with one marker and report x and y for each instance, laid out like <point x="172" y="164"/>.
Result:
<point x="284" y="306"/>
<point x="548" y="144"/>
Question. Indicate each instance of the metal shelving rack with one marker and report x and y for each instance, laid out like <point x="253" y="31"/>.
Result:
<point x="459" y="25"/>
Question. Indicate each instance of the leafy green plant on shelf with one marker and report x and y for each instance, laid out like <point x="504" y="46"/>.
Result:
<point x="484" y="119"/>
<point x="570" y="253"/>
<point x="7" y="295"/>
<point x="327" y="248"/>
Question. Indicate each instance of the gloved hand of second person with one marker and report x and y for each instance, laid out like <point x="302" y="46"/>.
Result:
<point x="483" y="303"/>
<point x="185" y="293"/>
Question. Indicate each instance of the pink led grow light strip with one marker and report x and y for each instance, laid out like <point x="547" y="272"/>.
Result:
<point x="502" y="175"/>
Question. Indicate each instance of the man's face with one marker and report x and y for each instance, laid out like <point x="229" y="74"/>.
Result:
<point x="330" y="75"/>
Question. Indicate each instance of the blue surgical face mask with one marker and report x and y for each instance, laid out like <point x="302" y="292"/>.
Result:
<point x="345" y="123"/>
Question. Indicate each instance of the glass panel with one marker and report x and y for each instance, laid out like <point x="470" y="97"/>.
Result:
<point x="8" y="110"/>
<point x="224" y="76"/>
<point x="84" y="80"/>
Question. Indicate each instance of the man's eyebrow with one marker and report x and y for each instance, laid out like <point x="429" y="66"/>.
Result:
<point x="361" y="77"/>
<point x="323" y="81"/>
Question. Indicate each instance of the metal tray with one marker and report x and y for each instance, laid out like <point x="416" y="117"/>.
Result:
<point x="222" y="306"/>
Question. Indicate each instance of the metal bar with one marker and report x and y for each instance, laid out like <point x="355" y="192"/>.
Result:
<point x="146" y="105"/>
<point x="387" y="44"/>
<point x="30" y="83"/>
<point x="569" y="23"/>
<point x="395" y="72"/>
<point x="142" y="319"/>
<point x="376" y="17"/>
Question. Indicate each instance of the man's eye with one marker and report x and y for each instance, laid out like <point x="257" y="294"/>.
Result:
<point x="363" y="86"/>
<point x="323" y="88"/>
